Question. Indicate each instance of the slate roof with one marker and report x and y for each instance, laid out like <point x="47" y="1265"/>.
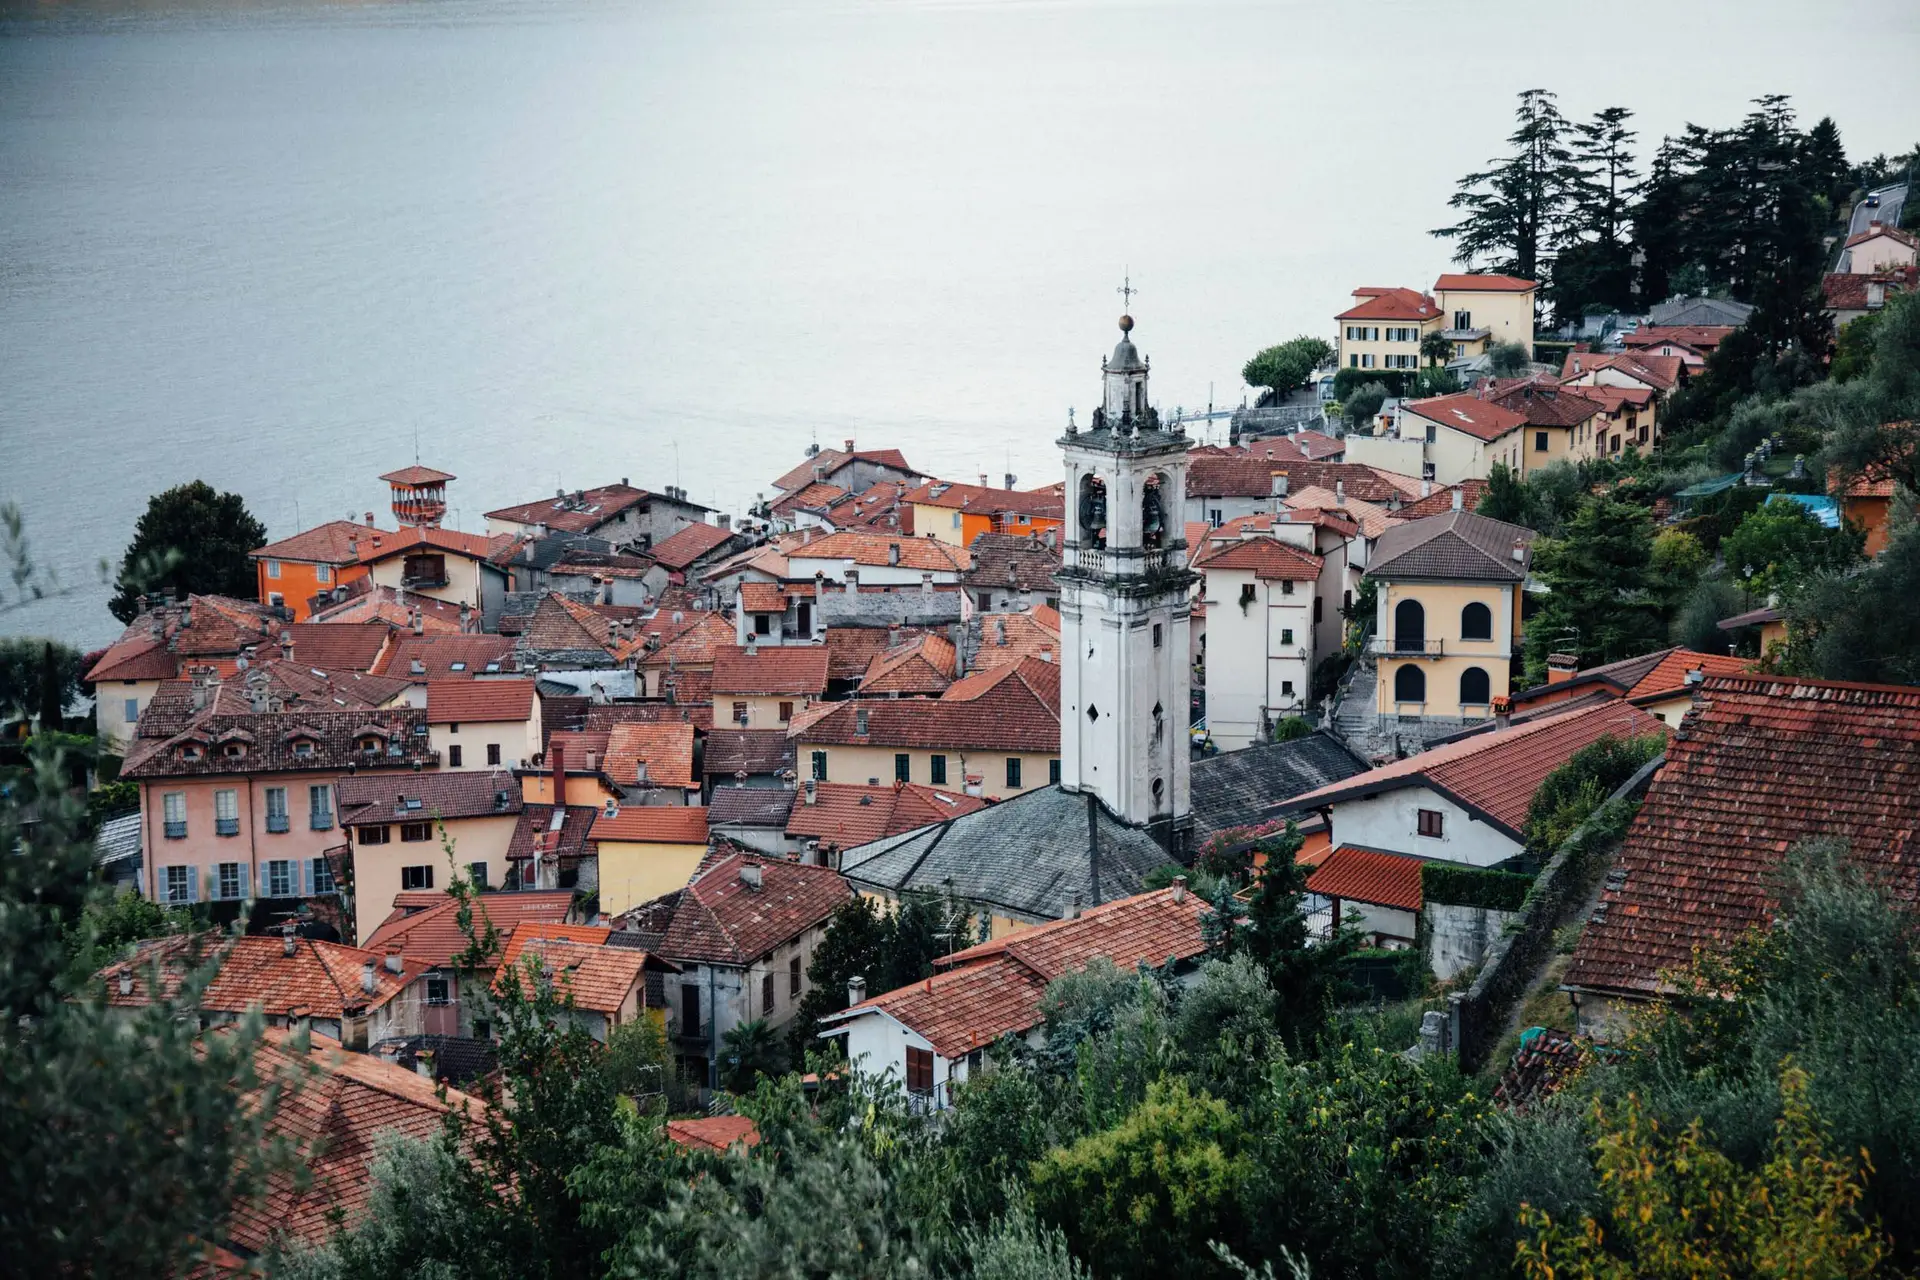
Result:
<point x="843" y="814"/>
<point x="1252" y="786"/>
<point x="723" y="920"/>
<point x="793" y="669"/>
<point x="337" y="1105"/>
<point x="688" y="545"/>
<point x="1762" y="763"/>
<point x="331" y="543"/>
<point x="1493" y="775"/>
<point x="1367" y="875"/>
<point x="1453" y="545"/>
<point x="652" y="824"/>
<point x="1026" y="857"/>
<point x="764" y="807"/>
<point x="731" y="751"/>
<point x="666" y="748"/>
<point x="1006" y="561"/>
<point x="479" y="701"/>
<point x="994" y="989"/>
<point x="379" y="798"/>
<point x="432" y="937"/>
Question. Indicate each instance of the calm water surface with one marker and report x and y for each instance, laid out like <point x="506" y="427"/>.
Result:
<point x="557" y="243"/>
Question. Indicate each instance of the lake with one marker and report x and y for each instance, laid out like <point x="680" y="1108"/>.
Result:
<point x="287" y="247"/>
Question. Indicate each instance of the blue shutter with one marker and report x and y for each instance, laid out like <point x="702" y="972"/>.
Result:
<point x="193" y="884"/>
<point x="306" y="877"/>
<point x="244" y="871"/>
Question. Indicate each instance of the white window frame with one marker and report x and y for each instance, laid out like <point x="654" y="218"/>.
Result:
<point x="281" y="882"/>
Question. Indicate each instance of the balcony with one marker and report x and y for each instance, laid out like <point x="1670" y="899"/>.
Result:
<point x="1407" y="647"/>
<point x="177" y="830"/>
<point x="277" y="823"/>
<point x="700" y="1033"/>
<point x="421" y="581"/>
<point x="226" y="826"/>
<point x="320" y="821"/>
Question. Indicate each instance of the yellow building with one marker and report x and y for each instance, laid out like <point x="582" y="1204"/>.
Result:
<point x="646" y="852"/>
<point x="1383" y="328"/>
<point x="395" y="825"/>
<point x="1463" y="437"/>
<point x="1449" y="620"/>
<point x="1559" y="421"/>
<point x="1477" y="311"/>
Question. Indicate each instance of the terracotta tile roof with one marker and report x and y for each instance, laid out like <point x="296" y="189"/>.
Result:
<point x="1845" y="291"/>
<point x="579" y="563"/>
<point x="385" y="546"/>
<point x="1878" y="229"/>
<point x="1763" y="763"/>
<point x="688" y="643"/>
<point x="336" y="1106"/>
<point x="1543" y="402"/>
<point x="433" y="937"/>
<point x="878" y="508"/>
<point x="1699" y="337"/>
<point x="528" y="931"/>
<point x="731" y="751"/>
<point x="833" y="459"/>
<point x="334" y="737"/>
<point x="764" y="597"/>
<point x="686" y="546"/>
<point x="1440" y="501"/>
<point x="1008" y="637"/>
<point x="1455" y="545"/>
<point x="597" y="978"/>
<point x="844" y="814"/>
<point x="713" y="1133"/>
<point x="1659" y="373"/>
<point x="479" y="701"/>
<point x="1390" y="304"/>
<point x="984" y="500"/>
<point x="1484" y="283"/>
<point x="775" y="669"/>
<point x="417" y="474"/>
<point x="1264" y="557"/>
<point x="580" y="512"/>
<point x="443" y="657"/>
<point x="1013" y="707"/>
<point x="875" y="549"/>
<point x="811" y="497"/>
<point x="1364" y="875"/>
<point x="1611" y="399"/>
<point x="1495" y="774"/>
<point x="338" y="646"/>
<point x="562" y="624"/>
<point x="721" y="919"/>
<point x="1013" y="561"/>
<point x="922" y="666"/>
<point x="368" y="602"/>
<point x="666" y="747"/>
<point x="995" y="989"/>
<point x="851" y="650"/>
<point x="380" y="798"/>
<point x="652" y="824"/>
<point x="1670" y="676"/>
<point x="1316" y="445"/>
<point x="535" y="833"/>
<point x="1481" y="419"/>
<point x="325" y="977"/>
<point x="336" y="543"/>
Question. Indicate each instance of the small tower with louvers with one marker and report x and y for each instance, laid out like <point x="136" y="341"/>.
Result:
<point x="1125" y="607"/>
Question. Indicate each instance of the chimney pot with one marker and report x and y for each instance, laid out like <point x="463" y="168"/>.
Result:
<point x="369" y="519"/>
<point x="287" y="945"/>
<point x="811" y="791"/>
<point x="394" y="962"/>
<point x="1179" y="888"/>
<point x="856" y="990"/>
<point x="366" y="977"/>
<point x="751" y="875"/>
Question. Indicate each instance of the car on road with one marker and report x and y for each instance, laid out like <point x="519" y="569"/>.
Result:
<point x="1873" y="201"/>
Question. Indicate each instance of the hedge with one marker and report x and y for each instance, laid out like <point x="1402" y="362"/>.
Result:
<point x="1472" y="887"/>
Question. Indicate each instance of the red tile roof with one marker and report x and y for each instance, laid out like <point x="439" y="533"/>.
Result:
<point x="811" y="497"/>
<point x="851" y="650"/>
<point x="686" y="546"/>
<point x="385" y="546"/>
<point x="335" y="543"/>
<point x="338" y="646"/>
<point x="325" y="977"/>
<point x="596" y="977"/>
<point x="1481" y="419"/>
<point x="368" y="602"/>
<point x="417" y="474"/>
<point x="1845" y="291"/>
<point x="828" y="461"/>
<point x="844" y="814"/>
<point x="796" y="669"/>
<point x="666" y="747"/>
<point x="583" y="513"/>
<point x="466" y="793"/>
<point x="1013" y="707"/>
<point x="1542" y="401"/>
<point x="721" y="919"/>
<point x="1699" y="337"/>
<point x="1763" y="763"/>
<point x="652" y="824"/>
<point x="1440" y="501"/>
<point x="1008" y="637"/>
<point x="1670" y="676"/>
<point x="443" y="657"/>
<point x="879" y="550"/>
<point x="1495" y="774"/>
<point x="333" y="1109"/>
<point x="1390" y="304"/>
<point x="764" y="597"/>
<point x="433" y="937"/>
<point x="1365" y="875"/>
<point x="986" y="500"/>
<point x="964" y="1009"/>
<point x="1878" y="229"/>
<point x="1660" y="373"/>
<point x="270" y="737"/>
<point x="593" y="935"/>
<point x="923" y="665"/>
<point x="479" y="701"/>
<point x="1484" y="283"/>
<point x="689" y="643"/>
<point x="1264" y="557"/>
<point x="713" y="1133"/>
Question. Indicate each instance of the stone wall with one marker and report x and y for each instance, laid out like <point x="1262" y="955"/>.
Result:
<point x="1459" y="937"/>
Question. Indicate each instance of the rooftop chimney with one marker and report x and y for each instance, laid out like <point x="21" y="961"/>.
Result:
<point x="753" y="647"/>
<point x="893" y="553"/>
<point x="752" y="876"/>
<point x="394" y="963"/>
<point x="926" y="583"/>
<point x="856" y="990"/>
<point x="287" y="943"/>
<point x="849" y="446"/>
<point x="366" y="977"/>
<point x="1503" y="712"/>
<point x="1046" y="653"/>
<point x="1457" y="500"/>
<point x="1519" y="547"/>
<point x="1340" y="491"/>
<point x="1279" y="484"/>
<point x="126" y="982"/>
<point x="812" y="789"/>
<point x="369" y="519"/>
<point x="1426" y="488"/>
<point x="1179" y="888"/>
<point x="1561" y="667"/>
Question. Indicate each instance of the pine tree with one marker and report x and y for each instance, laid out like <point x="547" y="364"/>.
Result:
<point x="1597" y="267"/>
<point x="1515" y="211"/>
<point x="191" y="540"/>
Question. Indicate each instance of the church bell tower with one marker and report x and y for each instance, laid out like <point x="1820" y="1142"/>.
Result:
<point x="1125" y="608"/>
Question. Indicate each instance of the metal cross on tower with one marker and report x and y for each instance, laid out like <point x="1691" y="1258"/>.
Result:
<point x="1126" y="292"/>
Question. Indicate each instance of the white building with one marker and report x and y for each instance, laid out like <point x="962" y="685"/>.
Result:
<point x="1262" y="595"/>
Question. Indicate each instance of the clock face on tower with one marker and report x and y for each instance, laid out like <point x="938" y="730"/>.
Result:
<point x="1093" y="511"/>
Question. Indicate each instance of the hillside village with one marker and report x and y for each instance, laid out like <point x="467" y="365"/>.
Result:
<point x="1470" y="700"/>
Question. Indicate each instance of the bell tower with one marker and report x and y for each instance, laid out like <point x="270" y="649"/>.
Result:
<point x="1125" y="608"/>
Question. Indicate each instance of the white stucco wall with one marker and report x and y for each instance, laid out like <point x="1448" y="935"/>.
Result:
<point x="1390" y="822"/>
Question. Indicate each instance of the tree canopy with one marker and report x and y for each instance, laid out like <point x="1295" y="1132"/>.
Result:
<point x="190" y="541"/>
<point x="1287" y="365"/>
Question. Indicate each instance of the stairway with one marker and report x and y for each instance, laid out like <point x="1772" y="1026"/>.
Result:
<point x="1354" y="717"/>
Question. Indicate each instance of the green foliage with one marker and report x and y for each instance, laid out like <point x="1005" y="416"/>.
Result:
<point x="1433" y="382"/>
<point x="109" y="926"/>
<point x="37" y="677"/>
<point x="1436" y="348"/>
<point x="1292" y="729"/>
<point x="1571" y="793"/>
<point x="1225" y="1025"/>
<point x="1000" y="1124"/>
<point x="1349" y="380"/>
<point x="1514" y="212"/>
<point x="1600" y="602"/>
<point x="1017" y="1246"/>
<point x="1287" y="365"/>
<point x="1678" y="559"/>
<point x="1473" y="886"/>
<point x="1544" y="501"/>
<point x="125" y="1141"/>
<point x="1364" y="403"/>
<point x="639" y="1065"/>
<point x="1781" y="543"/>
<point x="1146" y="1197"/>
<point x="1509" y="359"/>
<point x="1853" y="347"/>
<point x="887" y="948"/>
<point x="1860" y="626"/>
<point x="750" y="1051"/>
<point x="191" y="541"/>
<point x="1873" y="420"/>
<point x="112" y="800"/>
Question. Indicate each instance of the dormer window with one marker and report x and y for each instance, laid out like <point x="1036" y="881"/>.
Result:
<point x="191" y="752"/>
<point x="302" y="748"/>
<point x="234" y="750"/>
<point x="369" y="744"/>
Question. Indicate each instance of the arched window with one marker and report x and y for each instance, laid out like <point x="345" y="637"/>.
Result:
<point x="1159" y="794"/>
<point x="1410" y="684"/>
<point x="1093" y="511"/>
<point x="1475" y="688"/>
<point x="1409" y="627"/>
<point x="1476" y="622"/>
<point x="1153" y="514"/>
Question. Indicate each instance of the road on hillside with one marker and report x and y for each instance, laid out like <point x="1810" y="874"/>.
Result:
<point x="1888" y="210"/>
